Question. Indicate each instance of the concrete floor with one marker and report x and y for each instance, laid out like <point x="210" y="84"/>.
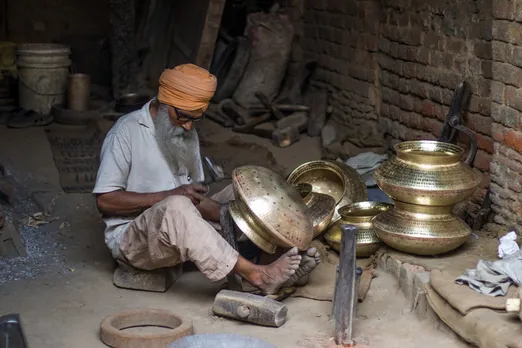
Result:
<point x="63" y="289"/>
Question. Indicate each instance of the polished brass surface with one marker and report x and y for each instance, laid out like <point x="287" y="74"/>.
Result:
<point x="333" y="178"/>
<point x="321" y="208"/>
<point x="427" y="173"/>
<point x="273" y="209"/>
<point x="359" y="214"/>
<point x="325" y="177"/>
<point x="355" y="190"/>
<point x="250" y="227"/>
<point x="421" y="230"/>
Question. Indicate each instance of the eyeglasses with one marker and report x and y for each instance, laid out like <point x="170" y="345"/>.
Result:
<point x="183" y="117"/>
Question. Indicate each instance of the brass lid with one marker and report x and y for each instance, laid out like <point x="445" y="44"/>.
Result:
<point x="276" y="207"/>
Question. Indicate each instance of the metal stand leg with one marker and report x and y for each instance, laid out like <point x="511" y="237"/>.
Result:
<point x="11" y="332"/>
<point x="345" y="296"/>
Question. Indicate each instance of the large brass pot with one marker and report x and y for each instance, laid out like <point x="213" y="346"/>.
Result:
<point x="427" y="173"/>
<point x="359" y="214"/>
<point x="268" y="210"/>
<point x="332" y="178"/>
<point x="421" y="230"/>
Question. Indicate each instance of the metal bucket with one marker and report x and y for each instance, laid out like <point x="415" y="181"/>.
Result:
<point x="43" y="70"/>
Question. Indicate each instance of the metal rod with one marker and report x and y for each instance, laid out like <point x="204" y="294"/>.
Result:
<point x="345" y="291"/>
<point x="11" y="332"/>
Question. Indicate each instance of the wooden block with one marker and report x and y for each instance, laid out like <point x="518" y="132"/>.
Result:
<point x="160" y="280"/>
<point x="250" y="308"/>
<point x="284" y="137"/>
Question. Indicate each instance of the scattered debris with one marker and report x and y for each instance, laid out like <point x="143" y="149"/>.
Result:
<point x="37" y="220"/>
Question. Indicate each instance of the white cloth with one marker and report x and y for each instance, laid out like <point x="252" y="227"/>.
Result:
<point x="508" y="245"/>
<point x="131" y="160"/>
<point x="365" y="163"/>
<point x="493" y="278"/>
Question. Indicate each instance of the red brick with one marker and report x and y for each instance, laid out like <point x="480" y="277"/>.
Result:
<point x="478" y="123"/>
<point x="513" y="98"/>
<point x="483" y="50"/>
<point x="505" y="115"/>
<point x="428" y="109"/>
<point x="498" y="132"/>
<point x="513" y="139"/>
<point x="485" y="143"/>
<point x="507" y="32"/>
<point x="480" y="105"/>
<point x="507" y="74"/>
<point x="456" y="46"/>
<point x="504" y="9"/>
<point x="482" y="160"/>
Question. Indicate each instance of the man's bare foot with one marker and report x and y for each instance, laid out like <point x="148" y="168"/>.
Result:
<point x="309" y="261"/>
<point x="270" y="278"/>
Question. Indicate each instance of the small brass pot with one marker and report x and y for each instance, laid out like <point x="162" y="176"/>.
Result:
<point x="421" y="230"/>
<point x="359" y="214"/>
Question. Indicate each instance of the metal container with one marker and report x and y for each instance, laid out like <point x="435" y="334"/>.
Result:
<point x="421" y="230"/>
<point x="425" y="180"/>
<point x="321" y="207"/>
<point x="428" y="173"/>
<point x="359" y="214"/>
<point x="268" y="210"/>
<point x="79" y="92"/>
<point x="332" y="178"/>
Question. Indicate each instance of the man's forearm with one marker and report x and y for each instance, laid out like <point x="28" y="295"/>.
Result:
<point x="124" y="203"/>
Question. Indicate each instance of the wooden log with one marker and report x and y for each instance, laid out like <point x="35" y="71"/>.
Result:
<point x="250" y="308"/>
<point x="297" y="120"/>
<point x="345" y="295"/>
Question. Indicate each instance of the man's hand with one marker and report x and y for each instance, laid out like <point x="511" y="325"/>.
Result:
<point x="195" y="192"/>
<point x="209" y="209"/>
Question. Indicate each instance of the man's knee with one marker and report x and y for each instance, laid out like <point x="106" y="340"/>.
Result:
<point x="177" y="203"/>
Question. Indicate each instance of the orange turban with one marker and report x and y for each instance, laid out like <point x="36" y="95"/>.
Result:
<point x="187" y="87"/>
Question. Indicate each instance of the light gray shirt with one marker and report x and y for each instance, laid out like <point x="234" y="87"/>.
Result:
<point x="131" y="160"/>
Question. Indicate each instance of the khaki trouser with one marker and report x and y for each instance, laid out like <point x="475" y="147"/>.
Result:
<point x="172" y="232"/>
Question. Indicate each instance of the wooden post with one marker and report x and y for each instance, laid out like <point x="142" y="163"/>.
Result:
<point x="345" y="288"/>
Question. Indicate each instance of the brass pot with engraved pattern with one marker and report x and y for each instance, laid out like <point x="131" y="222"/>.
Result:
<point x="321" y="207"/>
<point x="359" y="214"/>
<point x="332" y="178"/>
<point x="425" y="179"/>
<point x="268" y="210"/>
<point x="421" y="230"/>
<point x="428" y="173"/>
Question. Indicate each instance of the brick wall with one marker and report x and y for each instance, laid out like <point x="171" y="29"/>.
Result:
<point x="506" y="168"/>
<point x="392" y="66"/>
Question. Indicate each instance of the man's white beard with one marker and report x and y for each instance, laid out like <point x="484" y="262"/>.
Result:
<point x="179" y="146"/>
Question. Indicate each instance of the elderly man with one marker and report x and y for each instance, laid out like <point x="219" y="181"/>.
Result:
<point x="156" y="213"/>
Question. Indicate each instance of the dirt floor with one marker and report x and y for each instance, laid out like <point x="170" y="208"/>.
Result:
<point x="64" y="287"/>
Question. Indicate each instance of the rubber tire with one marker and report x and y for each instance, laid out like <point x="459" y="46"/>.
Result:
<point x="229" y="75"/>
